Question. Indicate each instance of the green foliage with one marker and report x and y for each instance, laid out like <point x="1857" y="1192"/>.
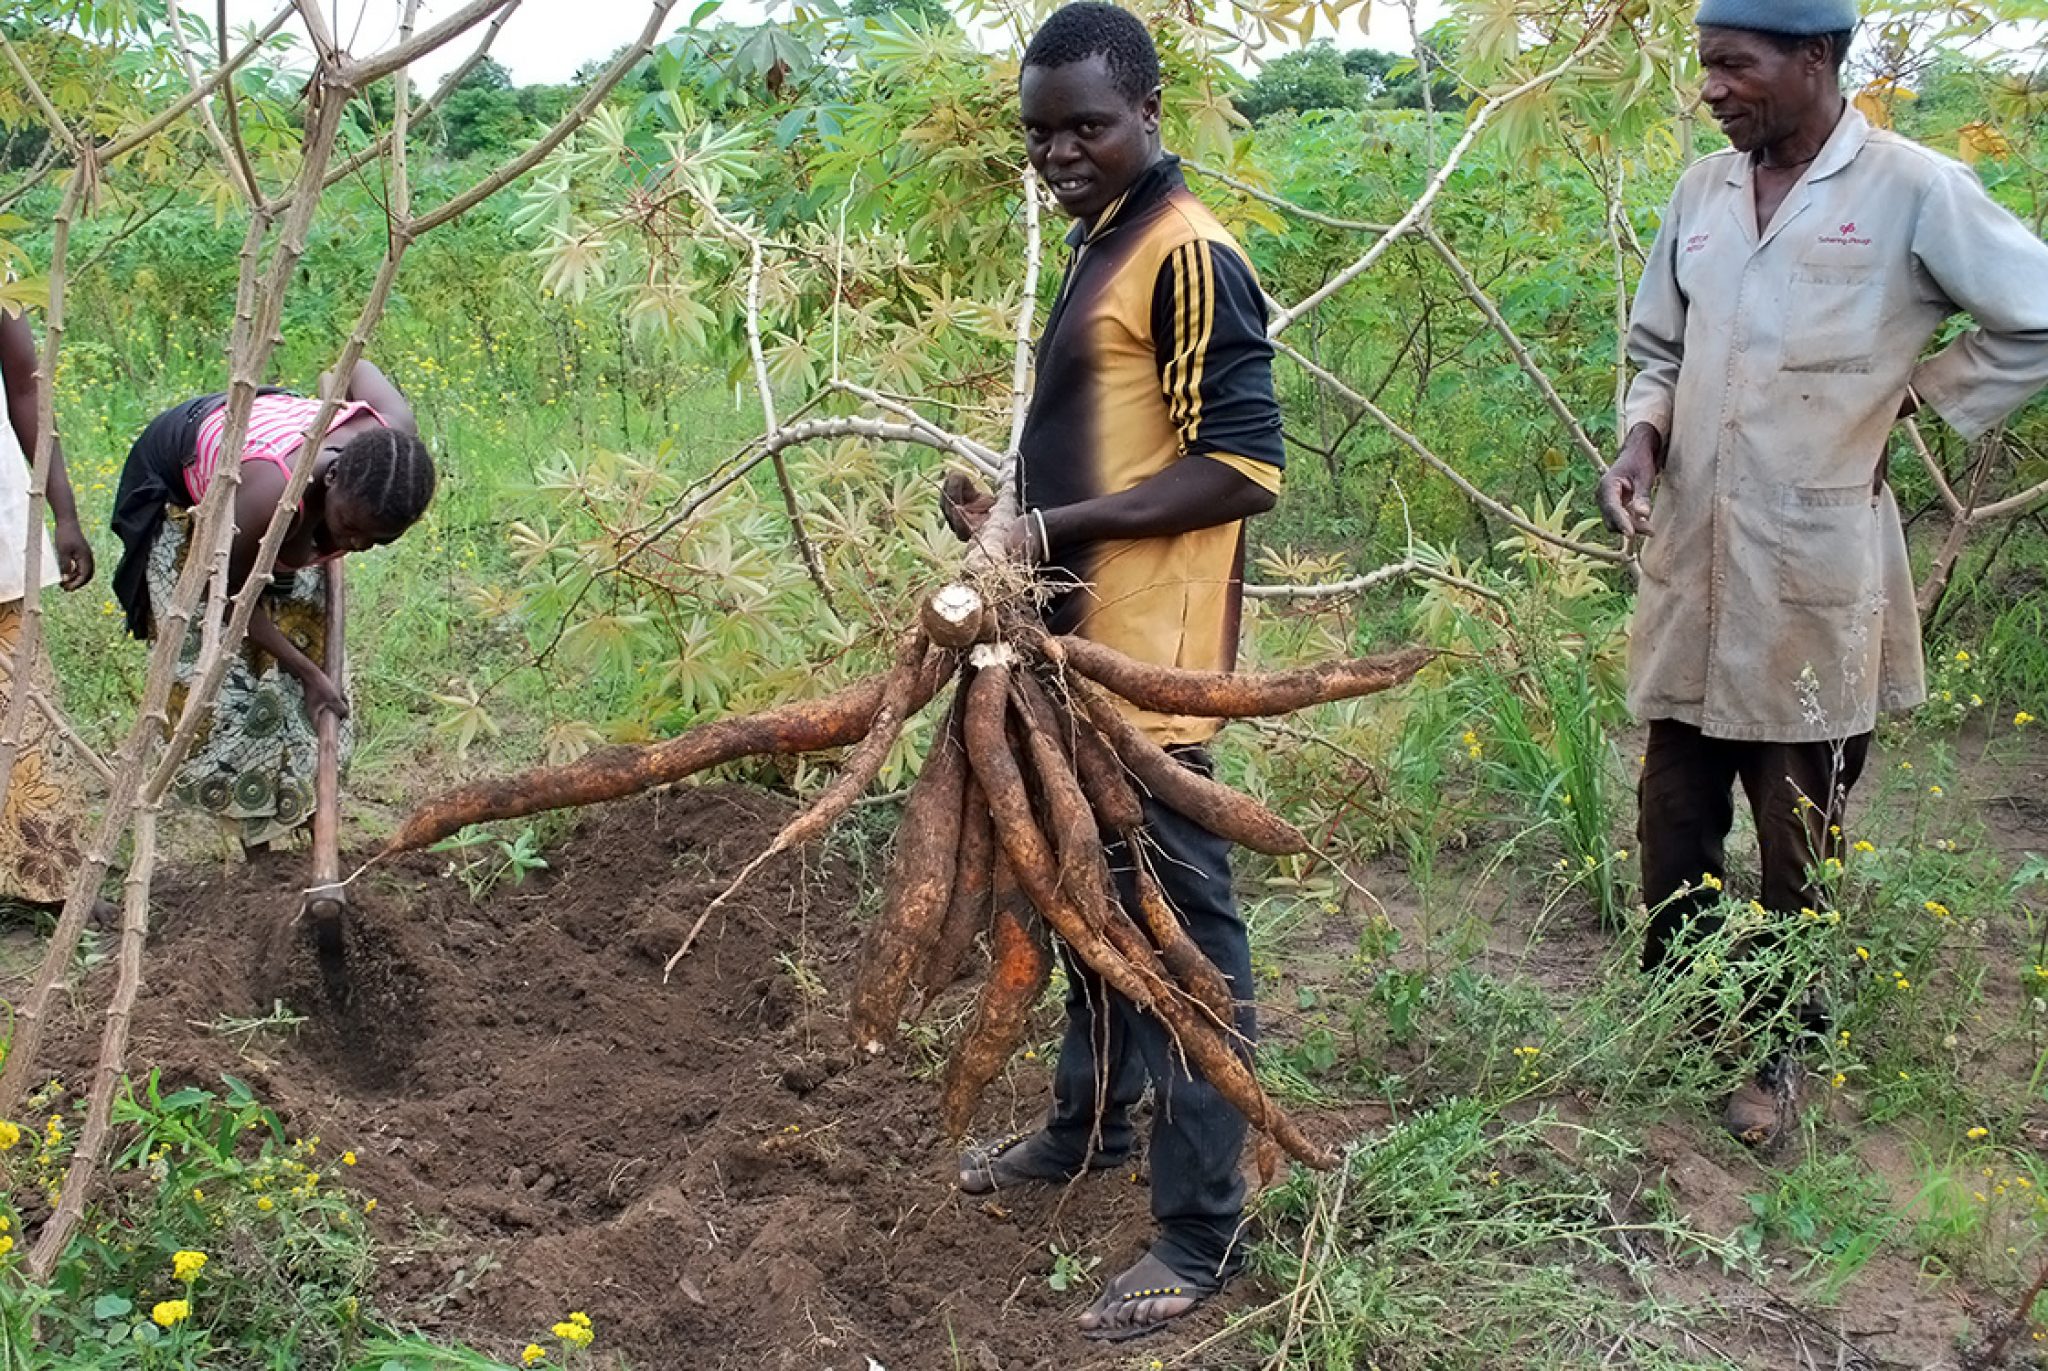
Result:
<point x="481" y="115"/>
<point x="285" y="1256"/>
<point x="1319" y="77"/>
<point x="1465" y="1234"/>
<point x="494" y="860"/>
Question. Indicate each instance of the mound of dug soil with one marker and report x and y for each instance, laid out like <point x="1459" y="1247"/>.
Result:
<point x="549" y="1125"/>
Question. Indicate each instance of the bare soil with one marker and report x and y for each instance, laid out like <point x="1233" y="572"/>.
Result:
<point x="700" y="1163"/>
<point x="703" y="1165"/>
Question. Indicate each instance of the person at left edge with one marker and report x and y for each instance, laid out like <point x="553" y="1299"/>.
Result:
<point x="42" y="816"/>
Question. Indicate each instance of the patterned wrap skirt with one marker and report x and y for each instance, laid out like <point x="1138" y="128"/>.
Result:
<point x="253" y="763"/>
<point x="42" y="819"/>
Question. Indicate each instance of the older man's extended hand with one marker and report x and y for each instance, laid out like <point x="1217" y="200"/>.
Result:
<point x="1625" y="489"/>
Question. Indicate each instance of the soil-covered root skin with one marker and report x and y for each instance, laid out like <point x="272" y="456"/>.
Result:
<point x="1077" y="840"/>
<point x="1024" y="842"/>
<point x="1225" y="812"/>
<point x="917" y="892"/>
<point x="831" y="721"/>
<point x="1020" y="965"/>
<point x="1233" y="694"/>
<point x="968" y="909"/>
<point x="1103" y="778"/>
<point x="908" y="688"/>
<point x="1192" y="971"/>
<point x="1113" y="948"/>
<point x="848" y="716"/>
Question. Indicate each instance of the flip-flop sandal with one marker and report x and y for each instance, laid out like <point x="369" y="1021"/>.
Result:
<point x="1196" y="1292"/>
<point x="987" y="1164"/>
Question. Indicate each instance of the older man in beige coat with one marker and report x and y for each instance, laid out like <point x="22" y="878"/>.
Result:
<point x="1778" y="333"/>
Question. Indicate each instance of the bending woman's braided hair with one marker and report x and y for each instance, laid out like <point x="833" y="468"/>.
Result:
<point x="389" y="473"/>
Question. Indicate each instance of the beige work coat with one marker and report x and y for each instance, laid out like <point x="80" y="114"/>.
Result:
<point x="1776" y="599"/>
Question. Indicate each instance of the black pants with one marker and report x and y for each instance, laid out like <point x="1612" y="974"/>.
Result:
<point x="1685" y="806"/>
<point x="1111" y="1050"/>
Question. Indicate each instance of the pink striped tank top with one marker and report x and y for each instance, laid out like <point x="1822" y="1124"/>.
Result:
<point x="277" y="423"/>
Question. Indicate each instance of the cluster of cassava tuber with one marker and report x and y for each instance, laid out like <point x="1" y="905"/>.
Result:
<point x="1003" y="833"/>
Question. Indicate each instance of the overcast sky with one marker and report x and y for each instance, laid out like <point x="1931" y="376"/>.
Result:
<point x="546" y="40"/>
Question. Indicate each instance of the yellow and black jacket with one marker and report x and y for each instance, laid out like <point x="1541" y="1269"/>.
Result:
<point x="1155" y="350"/>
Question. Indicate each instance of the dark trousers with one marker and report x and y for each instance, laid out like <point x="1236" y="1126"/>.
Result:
<point x="1111" y="1050"/>
<point x="1685" y="807"/>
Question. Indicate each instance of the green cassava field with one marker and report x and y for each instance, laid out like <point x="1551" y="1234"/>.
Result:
<point x="827" y="210"/>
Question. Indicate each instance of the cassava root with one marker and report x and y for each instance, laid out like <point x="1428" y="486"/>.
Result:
<point x="1003" y="833"/>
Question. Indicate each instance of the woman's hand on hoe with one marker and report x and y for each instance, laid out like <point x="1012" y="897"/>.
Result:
<point x="323" y="696"/>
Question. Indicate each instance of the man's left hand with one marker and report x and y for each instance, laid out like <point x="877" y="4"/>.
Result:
<point x="74" y="555"/>
<point x="964" y="504"/>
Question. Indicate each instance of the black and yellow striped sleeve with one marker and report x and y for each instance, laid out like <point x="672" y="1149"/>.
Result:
<point x="1215" y="362"/>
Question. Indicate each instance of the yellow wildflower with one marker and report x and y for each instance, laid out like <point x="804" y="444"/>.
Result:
<point x="1977" y="1133"/>
<point x="579" y="1318"/>
<point x="1936" y="908"/>
<point x="1963" y="657"/>
<point x="9" y="1135"/>
<point x="2022" y="719"/>
<point x="187" y="1265"/>
<point x="1863" y="846"/>
<point x="1936" y="791"/>
<point x="1840" y="1080"/>
<point x="532" y="1354"/>
<point x="198" y="1195"/>
<point x="265" y="1203"/>
<point x="171" y="1313"/>
<point x="573" y="1334"/>
<point x="1710" y="880"/>
<point x="1864" y="953"/>
<point x="369" y="1206"/>
<point x="348" y="1159"/>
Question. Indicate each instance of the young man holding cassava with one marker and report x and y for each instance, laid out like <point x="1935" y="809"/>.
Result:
<point x="1153" y="434"/>
<point x="1777" y="335"/>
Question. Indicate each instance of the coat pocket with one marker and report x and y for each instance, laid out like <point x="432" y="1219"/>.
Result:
<point x="1826" y="546"/>
<point x="1832" y="318"/>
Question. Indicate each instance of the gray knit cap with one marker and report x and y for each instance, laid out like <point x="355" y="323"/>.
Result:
<point x="1798" y="17"/>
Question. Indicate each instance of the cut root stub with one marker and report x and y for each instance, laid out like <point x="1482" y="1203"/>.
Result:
<point x="955" y="616"/>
